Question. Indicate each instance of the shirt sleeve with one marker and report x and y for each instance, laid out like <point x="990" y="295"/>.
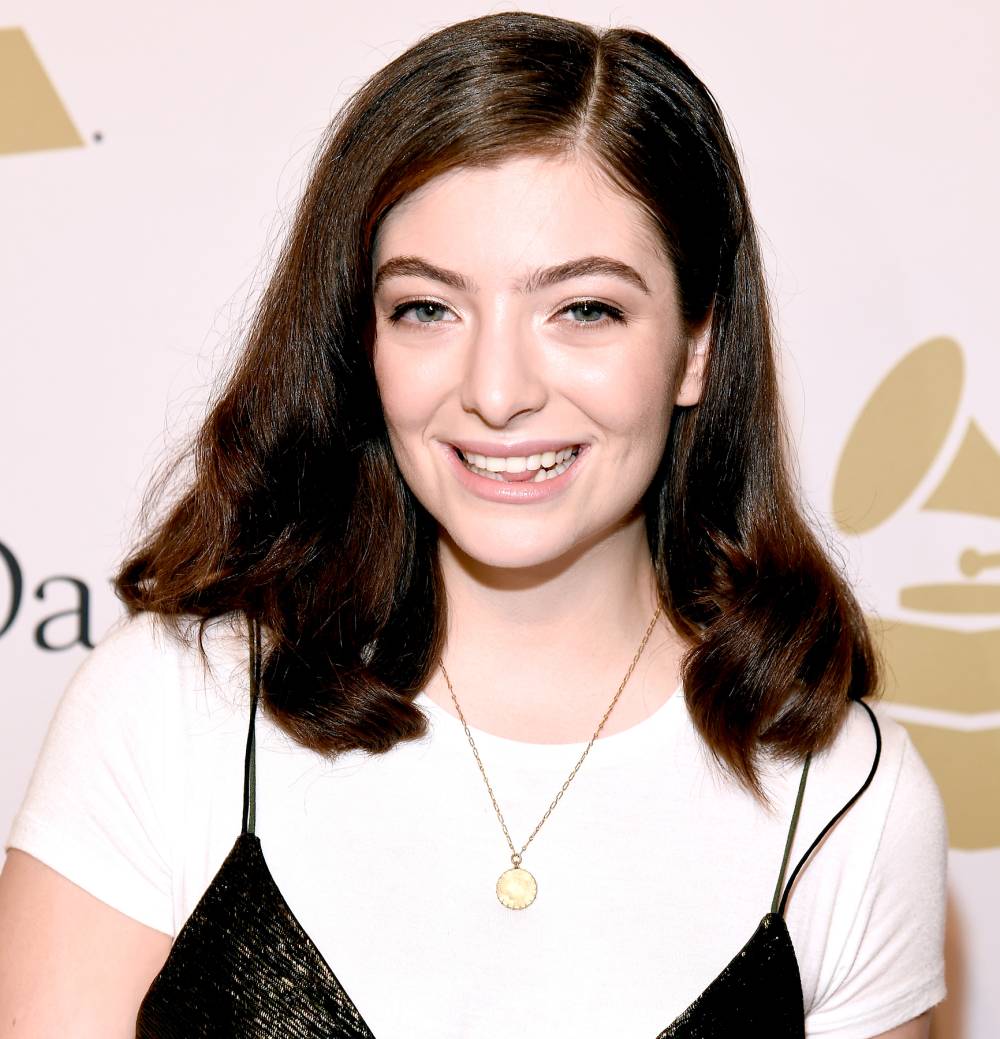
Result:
<point x="96" y="808"/>
<point x="892" y="966"/>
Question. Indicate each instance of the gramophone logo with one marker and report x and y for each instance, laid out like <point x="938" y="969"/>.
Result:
<point x="32" y="117"/>
<point x="918" y="484"/>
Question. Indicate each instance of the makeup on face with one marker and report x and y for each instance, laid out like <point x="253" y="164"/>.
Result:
<point x="526" y="351"/>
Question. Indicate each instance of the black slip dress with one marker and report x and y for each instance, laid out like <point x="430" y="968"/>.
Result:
<point x="242" y="965"/>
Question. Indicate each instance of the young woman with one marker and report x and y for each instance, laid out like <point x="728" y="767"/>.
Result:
<point x="485" y="678"/>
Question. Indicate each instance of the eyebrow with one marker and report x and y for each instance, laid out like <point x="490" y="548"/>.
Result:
<point x="416" y="266"/>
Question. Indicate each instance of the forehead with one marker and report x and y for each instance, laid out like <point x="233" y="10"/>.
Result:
<point x="525" y="212"/>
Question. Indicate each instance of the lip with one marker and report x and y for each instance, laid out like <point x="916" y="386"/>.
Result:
<point x="521" y="493"/>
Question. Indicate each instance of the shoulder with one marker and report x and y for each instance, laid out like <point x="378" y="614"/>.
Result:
<point x="147" y="668"/>
<point x="867" y="916"/>
<point x="901" y="784"/>
<point x="895" y="808"/>
<point x="887" y="814"/>
<point x="161" y="649"/>
<point x="908" y="808"/>
<point x="143" y="755"/>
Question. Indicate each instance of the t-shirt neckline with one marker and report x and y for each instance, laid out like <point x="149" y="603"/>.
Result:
<point x="616" y="747"/>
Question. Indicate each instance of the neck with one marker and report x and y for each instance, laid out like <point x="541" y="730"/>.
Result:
<point x="538" y="653"/>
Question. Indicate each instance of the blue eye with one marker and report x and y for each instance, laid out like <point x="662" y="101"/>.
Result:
<point x="593" y="312"/>
<point x="424" y="311"/>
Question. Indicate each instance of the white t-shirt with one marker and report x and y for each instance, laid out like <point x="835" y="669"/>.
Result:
<point x="652" y="871"/>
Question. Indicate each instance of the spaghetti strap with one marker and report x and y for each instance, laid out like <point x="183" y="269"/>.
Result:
<point x="829" y="826"/>
<point x="791" y="831"/>
<point x="250" y="763"/>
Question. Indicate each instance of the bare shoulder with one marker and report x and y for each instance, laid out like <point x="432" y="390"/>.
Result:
<point x="69" y="963"/>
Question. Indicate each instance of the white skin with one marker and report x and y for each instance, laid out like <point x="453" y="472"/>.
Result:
<point x="547" y="602"/>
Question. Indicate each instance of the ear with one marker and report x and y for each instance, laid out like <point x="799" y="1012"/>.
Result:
<point x="689" y="391"/>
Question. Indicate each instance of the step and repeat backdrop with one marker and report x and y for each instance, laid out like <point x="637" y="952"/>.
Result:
<point x="149" y="163"/>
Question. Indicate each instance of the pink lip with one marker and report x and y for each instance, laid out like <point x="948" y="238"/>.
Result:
<point x="520" y="447"/>
<point x="513" y="493"/>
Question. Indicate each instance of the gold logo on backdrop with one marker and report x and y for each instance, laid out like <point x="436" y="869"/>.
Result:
<point x="32" y="117"/>
<point x="936" y="488"/>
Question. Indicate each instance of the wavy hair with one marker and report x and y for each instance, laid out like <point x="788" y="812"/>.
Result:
<point x="296" y="514"/>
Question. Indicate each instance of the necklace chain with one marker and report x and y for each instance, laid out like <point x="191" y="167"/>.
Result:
<point x="515" y="856"/>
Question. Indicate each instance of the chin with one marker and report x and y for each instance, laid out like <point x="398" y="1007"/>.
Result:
<point x="515" y="546"/>
<point x="510" y="549"/>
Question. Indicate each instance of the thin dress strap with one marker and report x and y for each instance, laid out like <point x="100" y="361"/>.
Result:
<point x="250" y="764"/>
<point x="833" y="822"/>
<point x="791" y="832"/>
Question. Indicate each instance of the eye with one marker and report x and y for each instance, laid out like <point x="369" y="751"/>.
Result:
<point x="593" y="312"/>
<point x="420" y="312"/>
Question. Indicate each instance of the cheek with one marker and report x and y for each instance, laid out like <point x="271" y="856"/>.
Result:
<point x="393" y="376"/>
<point x="631" y="400"/>
<point x="412" y="388"/>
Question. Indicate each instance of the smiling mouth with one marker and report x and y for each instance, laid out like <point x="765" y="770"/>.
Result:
<point x="521" y="468"/>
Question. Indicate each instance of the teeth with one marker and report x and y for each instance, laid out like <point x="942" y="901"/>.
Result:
<point x="545" y="465"/>
<point x="550" y="474"/>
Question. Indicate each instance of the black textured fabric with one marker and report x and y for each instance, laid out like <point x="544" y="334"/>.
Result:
<point x="758" y="993"/>
<point x="243" y="966"/>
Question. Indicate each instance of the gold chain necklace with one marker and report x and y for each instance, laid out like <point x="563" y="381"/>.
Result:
<point x="516" y="887"/>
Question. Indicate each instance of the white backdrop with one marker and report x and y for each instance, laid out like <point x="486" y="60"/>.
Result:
<point x="136" y="232"/>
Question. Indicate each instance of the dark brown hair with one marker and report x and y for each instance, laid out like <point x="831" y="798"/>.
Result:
<point x="296" y="513"/>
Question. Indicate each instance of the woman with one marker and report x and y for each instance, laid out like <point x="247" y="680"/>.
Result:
<point x="494" y="522"/>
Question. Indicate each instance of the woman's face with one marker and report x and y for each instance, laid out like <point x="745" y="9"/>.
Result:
<point x="526" y="313"/>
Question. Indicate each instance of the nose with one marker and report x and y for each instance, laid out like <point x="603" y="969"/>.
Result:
<point x="504" y="373"/>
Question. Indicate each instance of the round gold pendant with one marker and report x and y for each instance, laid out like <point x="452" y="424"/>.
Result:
<point x="516" y="888"/>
